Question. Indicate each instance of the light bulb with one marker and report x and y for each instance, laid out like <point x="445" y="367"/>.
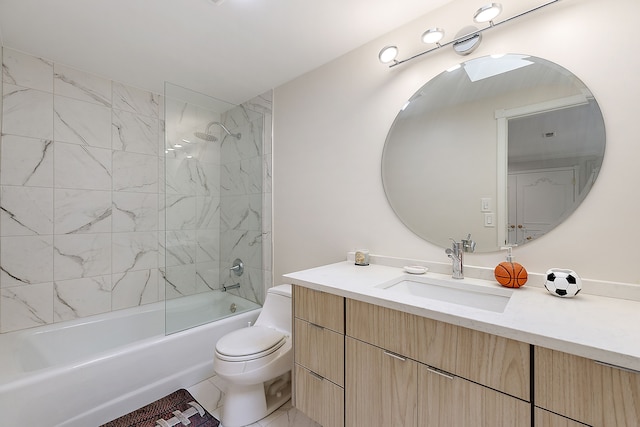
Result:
<point x="487" y="12"/>
<point x="432" y="35"/>
<point x="388" y="54"/>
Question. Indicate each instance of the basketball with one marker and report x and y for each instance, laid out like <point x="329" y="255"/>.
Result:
<point x="510" y="274"/>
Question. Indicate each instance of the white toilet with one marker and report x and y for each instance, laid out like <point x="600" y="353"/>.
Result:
<point x="256" y="362"/>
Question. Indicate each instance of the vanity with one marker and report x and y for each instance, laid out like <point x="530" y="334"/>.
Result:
<point x="368" y="352"/>
<point x="503" y="148"/>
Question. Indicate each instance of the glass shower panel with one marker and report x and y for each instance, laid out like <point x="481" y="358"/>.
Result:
<point x="210" y="214"/>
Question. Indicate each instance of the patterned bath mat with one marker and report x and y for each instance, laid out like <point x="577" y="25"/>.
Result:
<point x="177" y="409"/>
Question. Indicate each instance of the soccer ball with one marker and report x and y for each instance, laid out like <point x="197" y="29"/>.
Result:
<point x="563" y="283"/>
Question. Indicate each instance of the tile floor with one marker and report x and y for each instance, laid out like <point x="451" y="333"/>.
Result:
<point x="209" y="394"/>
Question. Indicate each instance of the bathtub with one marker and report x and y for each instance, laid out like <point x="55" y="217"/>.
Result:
<point x="86" y="372"/>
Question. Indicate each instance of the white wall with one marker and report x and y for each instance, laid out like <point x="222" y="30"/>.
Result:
<point x="330" y="126"/>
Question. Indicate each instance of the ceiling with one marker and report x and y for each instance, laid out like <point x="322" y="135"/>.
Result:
<point x="233" y="50"/>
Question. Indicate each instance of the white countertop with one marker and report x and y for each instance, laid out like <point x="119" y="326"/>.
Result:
<point x="591" y="326"/>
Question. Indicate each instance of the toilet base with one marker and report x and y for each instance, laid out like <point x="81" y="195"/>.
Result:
<point x="246" y="404"/>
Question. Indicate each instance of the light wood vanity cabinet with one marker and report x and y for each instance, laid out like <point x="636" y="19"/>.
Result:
<point x="380" y="387"/>
<point x="318" y="383"/>
<point x="319" y="308"/>
<point x="406" y="370"/>
<point x="500" y="363"/>
<point x="449" y="400"/>
<point x="588" y="392"/>
<point x="397" y="332"/>
<point x="496" y="362"/>
<point x="398" y="369"/>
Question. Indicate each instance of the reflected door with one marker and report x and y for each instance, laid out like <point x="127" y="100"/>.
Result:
<point x="538" y="201"/>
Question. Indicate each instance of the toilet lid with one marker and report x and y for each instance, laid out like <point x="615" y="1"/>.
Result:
<point x="249" y="343"/>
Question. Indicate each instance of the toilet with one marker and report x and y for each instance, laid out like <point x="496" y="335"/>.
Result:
<point x="256" y="362"/>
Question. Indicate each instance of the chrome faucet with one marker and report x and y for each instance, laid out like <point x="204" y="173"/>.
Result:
<point x="468" y="245"/>
<point x="455" y="253"/>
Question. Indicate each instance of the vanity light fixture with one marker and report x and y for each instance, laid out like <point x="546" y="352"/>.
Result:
<point x="463" y="39"/>
<point x="487" y="12"/>
<point x="388" y="54"/>
<point x="432" y="35"/>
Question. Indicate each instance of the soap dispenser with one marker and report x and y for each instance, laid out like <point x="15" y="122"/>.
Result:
<point x="509" y="273"/>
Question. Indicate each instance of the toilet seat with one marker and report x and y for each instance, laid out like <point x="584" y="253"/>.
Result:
<point x="249" y="344"/>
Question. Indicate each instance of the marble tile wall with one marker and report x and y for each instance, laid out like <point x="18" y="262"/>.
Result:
<point x="214" y="201"/>
<point x="191" y="208"/>
<point x="245" y="213"/>
<point x="82" y="199"/>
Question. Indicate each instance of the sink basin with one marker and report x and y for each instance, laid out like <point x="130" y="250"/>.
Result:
<point x="459" y="292"/>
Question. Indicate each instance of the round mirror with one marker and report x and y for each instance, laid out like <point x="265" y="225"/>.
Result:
<point x="503" y="148"/>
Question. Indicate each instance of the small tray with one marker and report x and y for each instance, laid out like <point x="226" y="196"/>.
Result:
<point x="415" y="269"/>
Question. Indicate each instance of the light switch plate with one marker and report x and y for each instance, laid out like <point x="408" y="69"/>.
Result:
<point x="485" y="204"/>
<point x="489" y="220"/>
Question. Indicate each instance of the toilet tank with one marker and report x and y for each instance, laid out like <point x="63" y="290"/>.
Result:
<point x="276" y="312"/>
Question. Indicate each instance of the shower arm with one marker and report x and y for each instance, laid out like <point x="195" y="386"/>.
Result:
<point x="219" y="124"/>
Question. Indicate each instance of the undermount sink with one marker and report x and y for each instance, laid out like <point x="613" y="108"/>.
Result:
<point x="459" y="292"/>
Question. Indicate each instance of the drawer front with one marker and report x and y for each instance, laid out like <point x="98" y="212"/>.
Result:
<point x="617" y="391"/>
<point x="563" y="384"/>
<point x="320" y="399"/>
<point x="436" y="344"/>
<point x="383" y="327"/>
<point x="453" y="401"/>
<point x="320" y="350"/>
<point x="319" y="308"/>
<point x="380" y="387"/>
<point x="500" y="363"/>
<point x="586" y="390"/>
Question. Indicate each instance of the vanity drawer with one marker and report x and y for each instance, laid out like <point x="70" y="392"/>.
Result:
<point x="496" y="362"/>
<point x="449" y="400"/>
<point x="437" y="344"/>
<point x="318" y="398"/>
<point x="320" y="350"/>
<point x="586" y="390"/>
<point x="425" y="340"/>
<point x="383" y="327"/>
<point x="319" y="308"/>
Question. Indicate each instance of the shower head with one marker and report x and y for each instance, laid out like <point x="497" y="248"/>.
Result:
<point x="205" y="136"/>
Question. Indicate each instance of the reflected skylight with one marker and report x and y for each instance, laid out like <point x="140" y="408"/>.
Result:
<point x="485" y="67"/>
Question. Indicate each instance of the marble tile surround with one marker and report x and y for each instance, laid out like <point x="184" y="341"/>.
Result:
<point x="214" y="207"/>
<point x="82" y="197"/>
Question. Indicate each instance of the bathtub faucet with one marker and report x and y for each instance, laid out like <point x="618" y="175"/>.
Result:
<point x="226" y="288"/>
<point x="238" y="267"/>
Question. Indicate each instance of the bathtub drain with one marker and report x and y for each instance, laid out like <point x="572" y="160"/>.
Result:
<point x="233" y="307"/>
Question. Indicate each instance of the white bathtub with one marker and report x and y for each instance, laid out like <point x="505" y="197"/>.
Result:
<point x="89" y="371"/>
